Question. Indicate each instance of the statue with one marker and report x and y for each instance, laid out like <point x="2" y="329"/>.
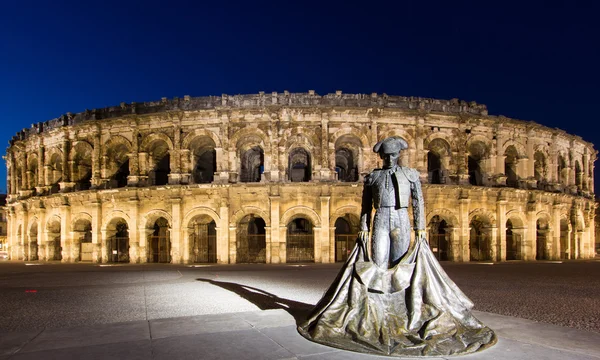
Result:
<point x="398" y="301"/>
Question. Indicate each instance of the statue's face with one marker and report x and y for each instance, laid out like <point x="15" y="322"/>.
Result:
<point x="389" y="160"/>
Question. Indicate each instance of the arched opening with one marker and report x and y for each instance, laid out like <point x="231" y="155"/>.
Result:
<point x="578" y="175"/>
<point x="160" y="242"/>
<point x="251" y="240"/>
<point x="299" y="165"/>
<point x="117" y="165"/>
<point x="117" y="242"/>
<point x="55" y="172"/>
<point x="19" y="233"/>
<point x="562" y="171"/>
<point x="300" y="241"/>
<point x="252" y="164"/>
<point x="542" y="234"/>
<point x="513" y="242"/>
<point x="82" y="231"/>
<point x="54" y="247"/>
<point x="160" y="163"/>
<point x="434" y="168"/>
<point x="204" y="160"/>
<point x="32" y="173"/>
<point x="202" y="231"/>
<point x="82" y="166"/>
<point x="346" y="232"/>
<point x="347" y="150"/>
<point x="439" y="238"/>
<point x="480" y="239"/>
<point x="437" y="159"/>
<point x="345" y="166"/>
<point x="510" y="166"/>
<point x="477" y="154"/>
<point x="33" y="242"/>
<point x="565" y="249"/>
<point x="539" y="169"/>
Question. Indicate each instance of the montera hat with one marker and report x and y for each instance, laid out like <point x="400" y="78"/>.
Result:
<point x="391" y="145"/>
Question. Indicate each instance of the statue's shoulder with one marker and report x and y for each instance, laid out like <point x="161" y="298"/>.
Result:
<point x="411" y="174"/>
<point x="372" y="176"/>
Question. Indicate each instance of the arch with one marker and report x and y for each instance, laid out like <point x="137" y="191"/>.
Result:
<point x="203" y="159"/>
<point x="562" y="170"/>
<point x="300" y="211"/>
<point x="540" y="168"/>
<point x="438" y="160"/>
<point x="252" y="164"/>
<point x="511" y="160"/>
<point x="518" y="218"/>
<point x="82" y="237"/>
<point x="54" y="243"/>
<point x="352" y="209"/>
<point x="298" y="136"/>
<point x="445" y="137"/>
<point x="484" y="214"/>
<point x="565" y="234"/>
<point x="347" y="151"/>
<point x="82" y="216"/>
<point x="33" y="240"/>
<point x="115" y="140"/>
<point x="345" y="233"/>
<point x="578" y="175"/>
<point x="198" y="211"/>
<point x="159" y="240"/>
<point x="440" y="237"/>
<point x="108" y="223"/>
<point x="148" y="140"/>
<point x="116" y="164"/>
<point x="449" y="216"/>
<point x="543" y="236"/>
<point x="249" y="210"/>
<point x="480" y="248"/>
<point x="514" y="239"/>
<point x="201" y="230"/>
<point x="300" y="240"/>
<point x="200" y="133"/>
<point x="519" y="147"/>
<point x="159" y="161"/>
<point x="81" y="156"/>
<point x="251" y="240"/>
<point x="478" y="150"/>
<point x="117" y="238"/>
<point x="151" y="216"/>
<point x="250" y="137"/>
<point x="299" y="164"/>
<point x="349" y="133"/>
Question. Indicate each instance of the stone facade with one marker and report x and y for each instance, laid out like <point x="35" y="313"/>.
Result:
<point x="277" y="178"/>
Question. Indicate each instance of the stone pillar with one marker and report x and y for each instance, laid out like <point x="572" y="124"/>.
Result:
<point x="501" y="216"/>
<point x="104" y="256"/>
<point x="556" y="245"/>
<point x="494" y="243"/>
<point x="275" y="246"/>
<point x="222" y="174"/>
<point x="96" y="212"/>
<point x="23" y="214"/>
<point x="97" y="172"/>
<point x="225" y="240"/>
<point x="137" y="253"/>
<point x="232" y="244"/>
<point x="65" y="232"/>
<point x="327" y="168"/>
<point x="176" y="241"/>
<point x="463" y="205"/>
<point x="529" y="245"/>
<point x="41" y="255"/>
<point x="325" y="250"/>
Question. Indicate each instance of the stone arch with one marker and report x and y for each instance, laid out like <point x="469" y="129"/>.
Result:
<point x="298" y="135"/>
<point x="515" y="234"/>
<point x="518" y="218"/>
<point x="578" y="175"/>
<point x="116" y="160"/>
<point x="511" y="166"/>
<point x="251" y="246"/>
<point x="54" y="244"/>
<point x="116" y="244"/>
<point x="199" y="133"/>
<point x="565" y="236"/>
<point x="203" y="159"/>
<point x="109" y="219"/>
<point x="348" y="148"/>
<point x="151" y="216"/>
<point x="249" y="210"/>
<point x="449" y="216"/>
<point x="562" y="170"/>
<point x="439" y="160"/>
<point x="519" y="147"/>
<point x="252" y="136"/>
<point x="540" y="168"/>
<point x="32" y="171"/>
<point x="478" y="153"/>
<point x="480" y="239"/>
<point x="33" y="239"/>
<point x="300" y="163"/>
<point x="352" y="209"/>
<point x="543" y="236"/>
<point x="347" y="226"/>
<point x="485" y="214"/>
<point x="201" y="210"/>
<point x="81" y="245"/>
<point x="300" y="211"/>
<point x="115" y="140"/>
<point x="55" y="168"/>
<point x="148" y="139"/>
<point x="352" y="133"/>
<point x="81" y="156"/>
<point x="82" y="216"/>
<point x="200" y="228"/>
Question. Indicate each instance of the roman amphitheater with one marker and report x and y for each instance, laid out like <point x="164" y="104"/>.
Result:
<point x="277" y="178"/>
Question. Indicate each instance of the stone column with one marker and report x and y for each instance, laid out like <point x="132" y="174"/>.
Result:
<point x="529" y="246"/>
<point x="275" y="246"/>
<point x="501" y="215"/>
<point x="556" y="245"/>
<point x="97" y="173"/>
<point x="137" y="253"/>
<point x="326" y="251"/>
<point x="42" y="234"/>
<point x="176" y="243"/>
<point x="463" y="205"/>
<point x="65" y="232"/>
<point x="225" y="240"/>
<point x="232" y="244"/>
<point x="96" y="212"/>
<point x="494" y="243"/>
<point x="104" y="256"/>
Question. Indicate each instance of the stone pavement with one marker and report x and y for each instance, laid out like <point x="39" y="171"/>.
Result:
<point x="267" y="334"/>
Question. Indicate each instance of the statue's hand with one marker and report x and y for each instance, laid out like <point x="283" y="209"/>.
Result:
<point x="363" y="236"/>
<point x="422" y="235"/>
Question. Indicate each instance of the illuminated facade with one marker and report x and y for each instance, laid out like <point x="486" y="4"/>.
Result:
<point x="277" y="178"/>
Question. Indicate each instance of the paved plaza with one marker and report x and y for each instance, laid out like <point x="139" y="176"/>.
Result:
<point x="545" y="310"/>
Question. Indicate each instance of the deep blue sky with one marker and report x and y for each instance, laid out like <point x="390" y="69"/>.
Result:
<point x="527" y="60"/>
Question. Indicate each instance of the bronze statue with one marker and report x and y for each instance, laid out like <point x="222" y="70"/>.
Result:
<point x="398" y="301"/>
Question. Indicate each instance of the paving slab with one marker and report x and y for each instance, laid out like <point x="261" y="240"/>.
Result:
<point x="266" y="319"/>
<point x="239" y="345"/>
<point x="12" y="342"/>
<point x="51" y="339"/>
<point x="135" y="350"/>
<point x="289" y="338"/>
<point x="192" y="325"/>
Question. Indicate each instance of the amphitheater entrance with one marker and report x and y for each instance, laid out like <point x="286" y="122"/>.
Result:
<point x="252" y="164"/>
<point x="117" y="242"/>
<point x="439" y="238"/>
<point x="32" y="249"/>
<point x="480" y="239"/>
<point x="53" y="246"/>
<point x="299" y="165"/>
<point x="82" y="231"/>
<point x="511" y="159"/>
<point x="542" y="234"/>
<point x="514" y="239"/>
<point x="251" y="240"/>
<point x="160" y="242"/>
<point x="346" y="232"/>
<point x="300" y="241"/>
<point x="202" y="231"/>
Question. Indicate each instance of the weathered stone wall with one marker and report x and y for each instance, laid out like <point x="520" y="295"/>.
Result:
<point x="500" y="188"/>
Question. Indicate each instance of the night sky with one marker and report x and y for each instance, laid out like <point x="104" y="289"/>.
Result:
<point x="526" y="60"/>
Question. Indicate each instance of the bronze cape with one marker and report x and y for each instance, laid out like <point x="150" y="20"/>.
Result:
<point x="411" y="309"/>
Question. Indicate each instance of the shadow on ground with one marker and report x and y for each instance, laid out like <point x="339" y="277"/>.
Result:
<point x="265" y="300"/>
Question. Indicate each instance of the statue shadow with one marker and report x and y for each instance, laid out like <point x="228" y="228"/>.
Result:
<point x="265" y="300"/>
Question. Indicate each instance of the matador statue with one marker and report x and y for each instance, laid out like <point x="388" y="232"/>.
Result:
<point x="398" y="301"/>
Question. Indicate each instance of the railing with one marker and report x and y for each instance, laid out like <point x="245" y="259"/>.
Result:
<point x="344" y="243"/>
<point x="118" y="249"/>
<point x="251" y="248"/>
<point x="203" y="248"/>
<point x="300" y="248"/>
<point x="160" y="249"/>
